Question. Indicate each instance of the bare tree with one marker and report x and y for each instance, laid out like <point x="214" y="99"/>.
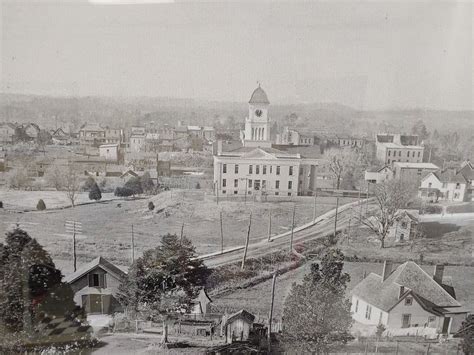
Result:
<point x="390" y="197"/>
<point x="72" y="183"/>
<point x="342" y="162"/>
<point x="55" y="177"/>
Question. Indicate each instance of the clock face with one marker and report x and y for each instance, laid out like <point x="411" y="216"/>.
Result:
<point x="258" y="113"/>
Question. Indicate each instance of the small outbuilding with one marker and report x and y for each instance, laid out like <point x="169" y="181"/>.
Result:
<point x="238" y="326"/>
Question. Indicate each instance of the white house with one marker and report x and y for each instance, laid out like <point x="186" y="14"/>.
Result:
<point x="405" y="226"/>
<point x="407" y="297"/>
<point x="378" y="175"/>
<point x="137" y="143"/>
<point x="413" y="172"/>
<point x="109" y="152"/>
<point x="443" y="186"/>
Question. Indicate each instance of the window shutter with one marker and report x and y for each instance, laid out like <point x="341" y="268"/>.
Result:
<point x="91" y="280"/>
<point x="102" y="280"/>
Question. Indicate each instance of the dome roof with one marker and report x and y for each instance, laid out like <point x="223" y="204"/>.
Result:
<point x="259" y="97"/>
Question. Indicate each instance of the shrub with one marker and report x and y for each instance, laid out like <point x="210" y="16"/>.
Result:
<point x="151" y="206"/>
<point x="147" y="184"/>
<point x="123" y="192"/>
<point x="88" y="184"/>
<point x="95" y="193"/>
<point x="40" y="206"/>
<point x="134" y="184"/>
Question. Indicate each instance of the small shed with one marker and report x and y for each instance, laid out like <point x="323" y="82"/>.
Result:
<point x="238" y="326"/>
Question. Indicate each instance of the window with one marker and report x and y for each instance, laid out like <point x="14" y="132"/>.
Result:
<point x="277" y="184"/>
<point x="290" y="172"/>
<point x="236" y="183"/>
<point x="250" y="169"/>
<point x="224" y="168"/>
<point x="236" y="169"/>
<point x="404" y="224"/>
<point x="458" y="186"/>
<point x="257" y="184"/>
<point x="389" y="153"/>
<point x="264" y="169"/>
<point x="368" y="311"/>
<point x="249" y="183"/>
<point x="419" y="172"/>
<point x="388" y="161"/>
<point x="278" y="170"/>
<point x="224" y="182"/>
<point x="277" y="193"/>
<point x="290" y="185"/>
<point x="264" y="184"/>
<point x="413" y="154"/>
<point x="223" y="191"/>
<point x="357" y="306"/>
<point x="235" y="192"/>
<point x="406" y="320"/>
<point x="408" y="301"/>
<point x="431" y="319"/>
<point x="96" y="280"/>
<point x="257" y="169"/>
<point x="289" y="193"/>
<point x="419" y="154"/>
<point x="445" y="185"/>
<point x="430" y="185"/>
<point x="271" y="170"/>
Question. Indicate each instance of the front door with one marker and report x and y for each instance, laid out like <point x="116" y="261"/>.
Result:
<point x="446" y="322"/>
<point x="406" y="320"/>
<point x="95" y="303"/>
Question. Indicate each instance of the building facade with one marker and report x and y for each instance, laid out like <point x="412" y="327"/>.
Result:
<point x="257" y="123"/>
<point x="391" y="148"/>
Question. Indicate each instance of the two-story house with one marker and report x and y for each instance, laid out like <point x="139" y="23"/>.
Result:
<point x="407" y="297"/>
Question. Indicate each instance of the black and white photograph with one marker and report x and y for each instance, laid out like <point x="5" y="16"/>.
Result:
<point x="236" y="177"/>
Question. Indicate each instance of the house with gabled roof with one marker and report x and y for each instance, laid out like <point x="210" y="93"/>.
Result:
<point x="405" y="226"/>
<point x="446" y="186"/>
<point x="95" y="286"/>
<point x="379" y="174"/>
<point x="407" y="297"/>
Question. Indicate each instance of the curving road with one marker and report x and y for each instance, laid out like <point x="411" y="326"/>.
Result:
<point x="323" y="227"/>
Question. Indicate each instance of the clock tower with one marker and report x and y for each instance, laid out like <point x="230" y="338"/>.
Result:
<point x="257" y="124"/>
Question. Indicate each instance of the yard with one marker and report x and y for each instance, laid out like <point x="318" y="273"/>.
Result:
<point x="107" y="226"/>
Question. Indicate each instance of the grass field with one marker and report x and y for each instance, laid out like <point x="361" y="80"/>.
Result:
<point x="107" y="226"/>
<point x="257" y="299"/>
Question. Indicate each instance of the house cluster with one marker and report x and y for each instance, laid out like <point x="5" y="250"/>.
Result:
<point x="257" y="167"/>
<point x="408" y="301"/>
<point x="166" y="138"/>
<point x="11" y="133"/>
<point x="453" y="185"/>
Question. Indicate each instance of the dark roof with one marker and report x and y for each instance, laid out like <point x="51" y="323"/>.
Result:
<point x="467" y="171"/>
<point x="259" y="97"/>
<point x="384" y="294"/>
<point x="249" y="317"/>
<point x="97" y="262"/>
<point x="385" y="138"/>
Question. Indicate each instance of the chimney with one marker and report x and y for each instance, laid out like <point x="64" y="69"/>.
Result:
<point x="219" y="147"/>
<point x="438" y="273"/>
<point x="401" y="292"/>
<point x="387" y="269"/>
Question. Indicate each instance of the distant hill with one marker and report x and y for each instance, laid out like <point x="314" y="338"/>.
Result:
<point x="117" y="111"/>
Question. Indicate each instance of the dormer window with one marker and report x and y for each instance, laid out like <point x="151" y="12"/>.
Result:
<point x="96" y="280"/>
<point x="408" y="301"/>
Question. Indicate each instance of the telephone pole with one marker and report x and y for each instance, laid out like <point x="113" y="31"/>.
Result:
<point x="269" y="225"/>
<point x="222" y="233"/>
<point x="133" y="246"/>
<point x="244" y="257"/>
<point x="74" y="228"/>
<point x="292" y="229"/>
<point x="335" y="217"/>
<point x="314" y="206"/>
<point x="271" y="314"/>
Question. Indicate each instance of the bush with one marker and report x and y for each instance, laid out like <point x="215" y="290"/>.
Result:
<point x="88" y="184"/>
<point x="40" y="206"/>
<point x="151" y="206"/>
<point x="147" y="184"/>
<point x="95" y="193"/>
<point x="123" y="192"/>
<point x="134" y="184"/>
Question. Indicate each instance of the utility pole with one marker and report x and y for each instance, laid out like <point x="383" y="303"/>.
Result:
<point x="269" y="225"/>
<point x="74" y="255"/>
<point x="360" y="204"/>
<point x="246" y="243"/>
<point x="182" y="233"/>
<point x="133" y="246"/>
<point x="335" y="217"/>
<point x="271" y="314"/>
<point x="367" y="200"/>
<point x="222" y="233"/>
<point x="314" y="206"/>
<point x="292" y="229"/>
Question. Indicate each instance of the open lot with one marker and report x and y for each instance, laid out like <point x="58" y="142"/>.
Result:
<point x="257" y="298"/>
<point x="106" y="226"/>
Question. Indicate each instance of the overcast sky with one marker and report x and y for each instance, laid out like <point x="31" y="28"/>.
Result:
<point x="368" y="55"/>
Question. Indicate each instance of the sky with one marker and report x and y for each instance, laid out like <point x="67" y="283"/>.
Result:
<point x="367" y="55"/>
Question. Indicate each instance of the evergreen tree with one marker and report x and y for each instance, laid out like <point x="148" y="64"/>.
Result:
<point x="317" y="314"/>
<point x="88" y="184"/>
<point x="151" y="206"/>
<point x="467" y="334"/>
<point x="28" y="277"/>
<point x="147" y="183"/>
<point x="95" y="193"/>
<point x="40" y="206"/>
